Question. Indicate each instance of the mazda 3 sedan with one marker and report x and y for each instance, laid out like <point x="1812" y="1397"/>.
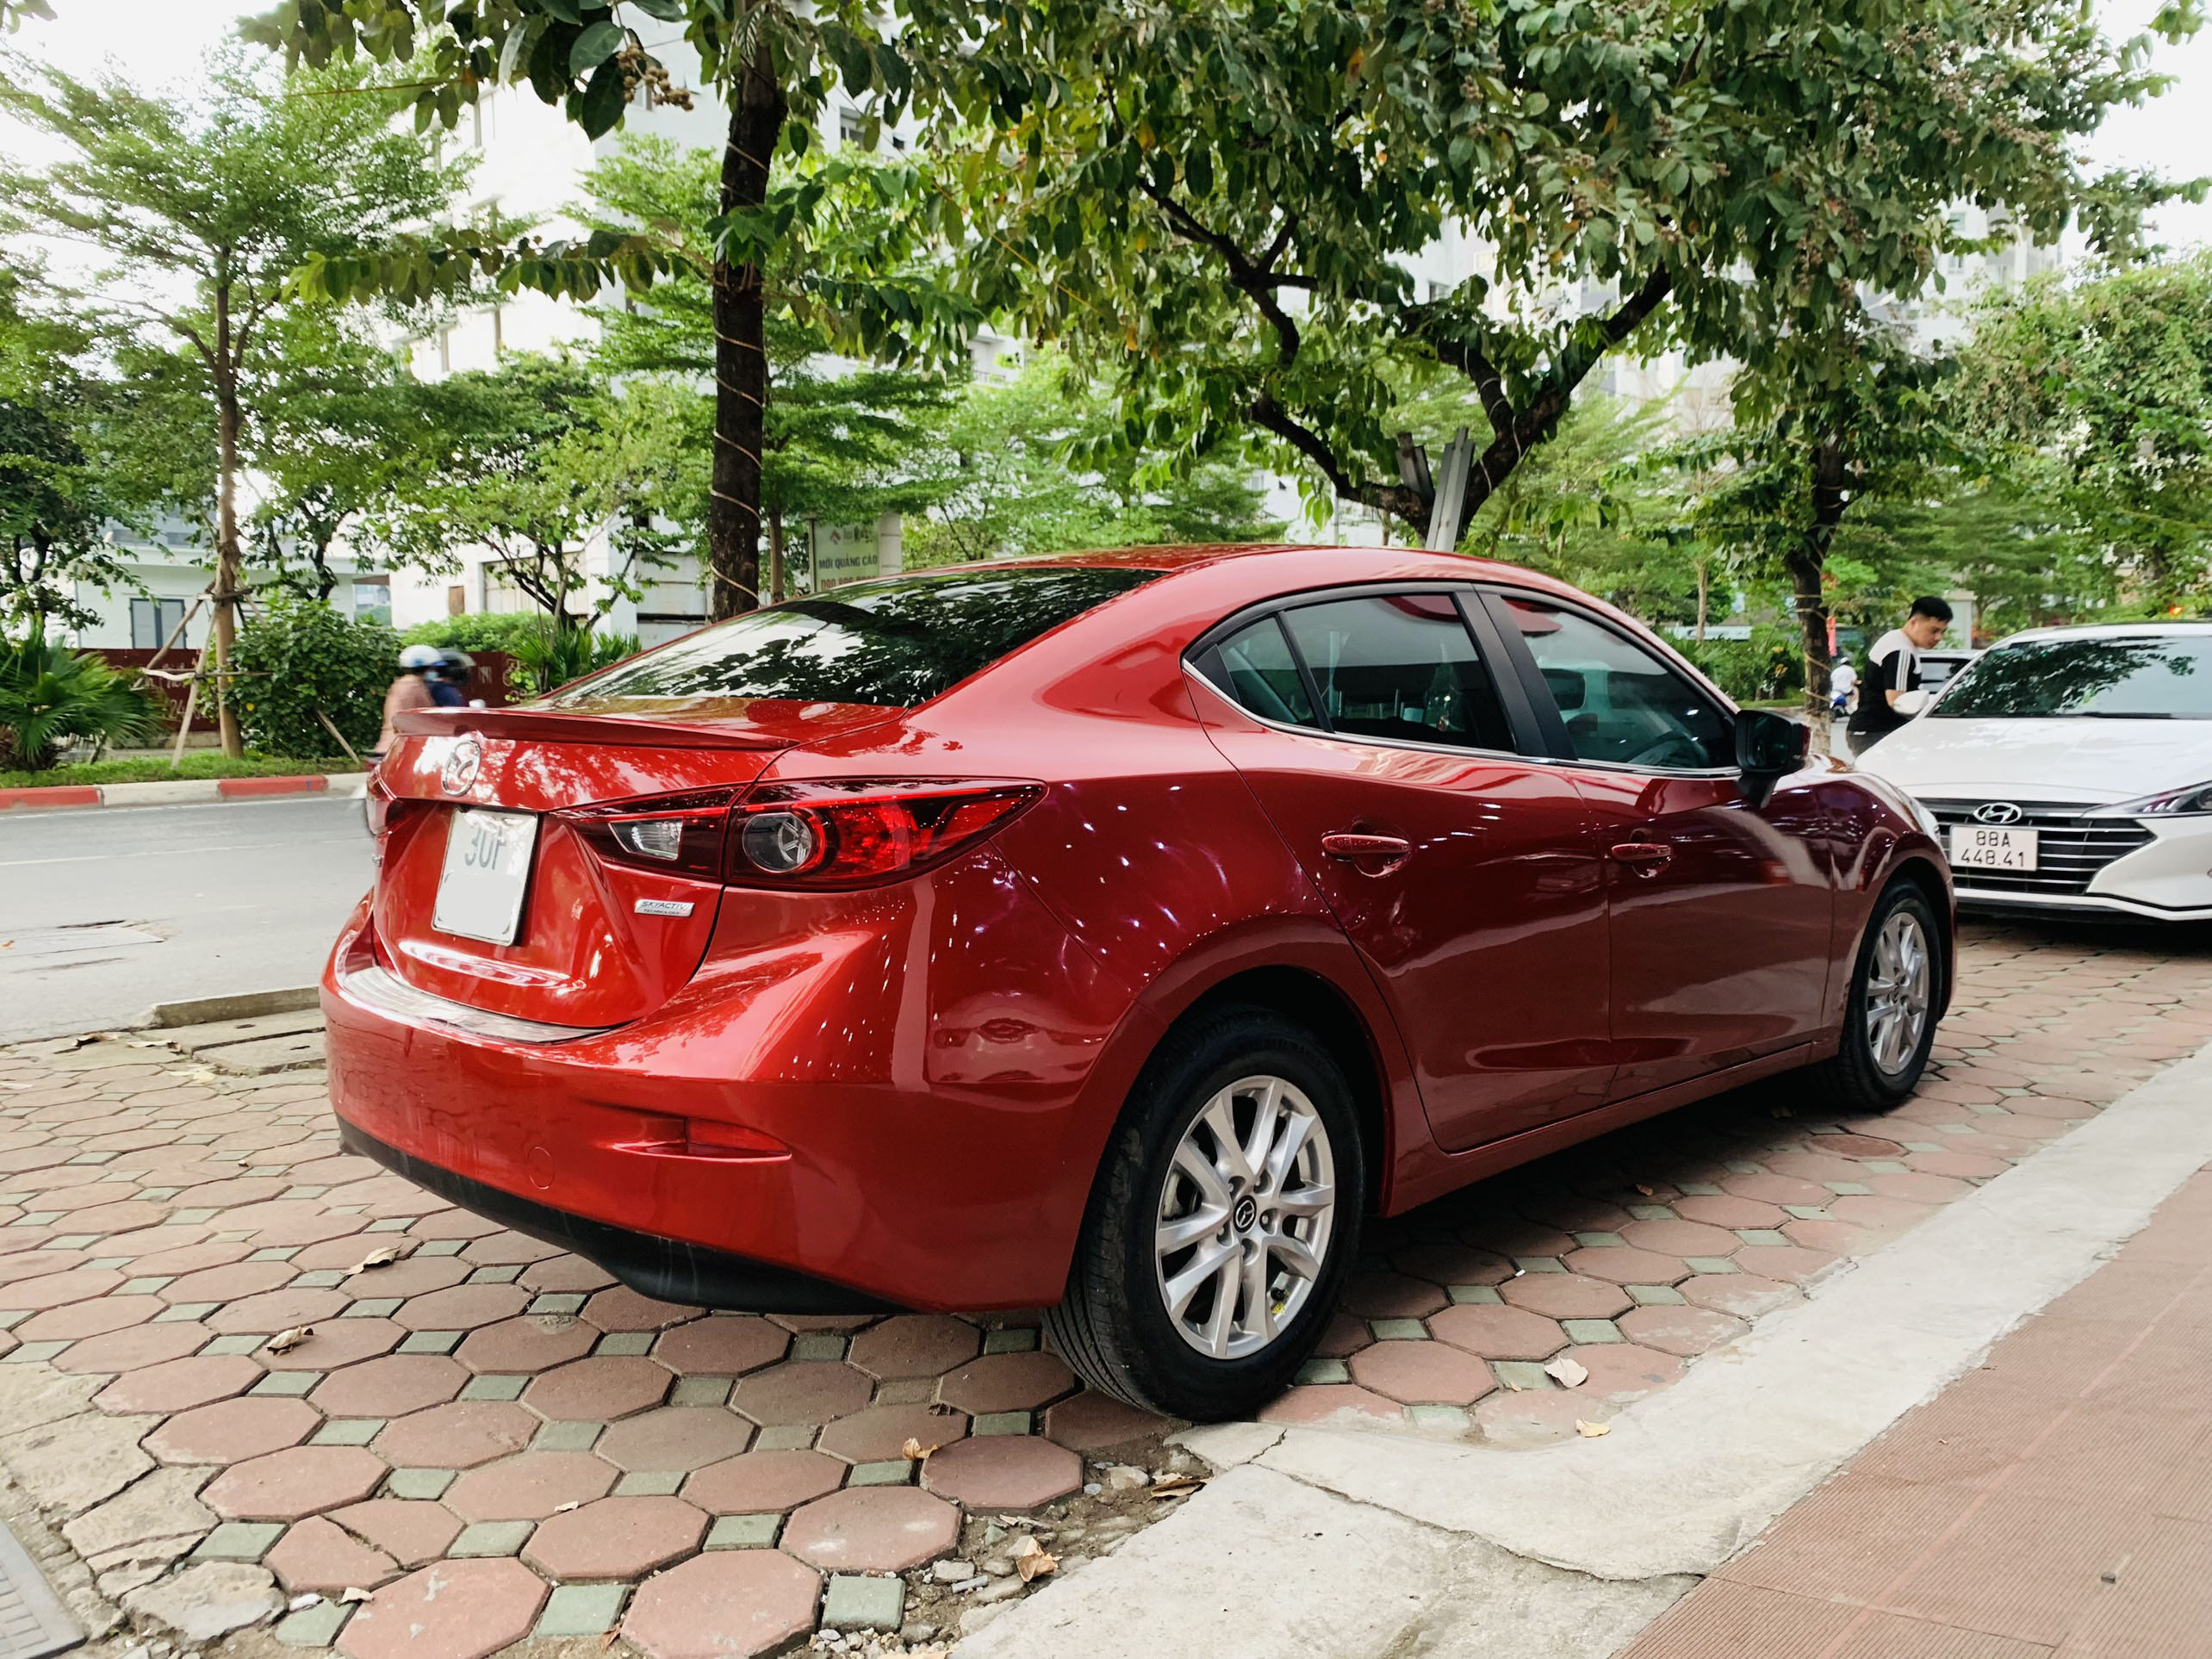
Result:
<point x="1111" y="934"/>
<point x="2071" y="771"/>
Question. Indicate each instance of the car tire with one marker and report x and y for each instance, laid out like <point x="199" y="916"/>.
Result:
<point x="1232" y="1342"/>
<point x="1891" y="1009"/>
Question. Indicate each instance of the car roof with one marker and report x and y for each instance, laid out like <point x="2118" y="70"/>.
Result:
<point x="1355" y="563"/>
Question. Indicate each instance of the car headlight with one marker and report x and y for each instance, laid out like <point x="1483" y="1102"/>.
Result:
<point x="2195" y="801"/>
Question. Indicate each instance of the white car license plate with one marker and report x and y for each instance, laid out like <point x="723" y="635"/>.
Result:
<point x="1978" y="846"/>
<point x="486" y="871"/>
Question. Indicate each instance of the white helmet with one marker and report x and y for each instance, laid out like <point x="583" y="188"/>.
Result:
<point x="415" y="658"/>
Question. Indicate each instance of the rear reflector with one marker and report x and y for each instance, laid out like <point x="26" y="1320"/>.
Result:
<point x="678" y="833"/>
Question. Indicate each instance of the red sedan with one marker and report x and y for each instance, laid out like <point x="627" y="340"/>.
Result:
<point x="1111" y="934"/>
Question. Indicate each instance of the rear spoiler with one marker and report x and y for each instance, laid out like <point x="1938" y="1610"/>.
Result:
<point x="546" y="727"/>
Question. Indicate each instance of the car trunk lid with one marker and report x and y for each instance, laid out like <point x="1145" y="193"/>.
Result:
<point x="600" y="941"/>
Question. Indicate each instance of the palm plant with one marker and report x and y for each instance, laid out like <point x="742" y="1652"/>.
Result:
<point x="49" y="693"/>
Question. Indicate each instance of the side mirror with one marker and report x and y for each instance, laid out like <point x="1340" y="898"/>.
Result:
<point x="1769" y="746"/>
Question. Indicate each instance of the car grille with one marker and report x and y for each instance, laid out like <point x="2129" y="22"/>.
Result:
<point x="2070" y="850"/>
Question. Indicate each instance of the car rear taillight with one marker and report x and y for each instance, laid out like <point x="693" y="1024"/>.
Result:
<point x="386" y="812"/>
<point x="841" y="833"/>
<point x="678" y="833"/>
<point x="853" y="833"/>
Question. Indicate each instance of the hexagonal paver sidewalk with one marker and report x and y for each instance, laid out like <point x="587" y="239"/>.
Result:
<point x="219" y="1366"/>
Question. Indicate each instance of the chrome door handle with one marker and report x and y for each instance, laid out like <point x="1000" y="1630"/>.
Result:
<point x="1646" y="857"/>
<point x="1347" y="844"/>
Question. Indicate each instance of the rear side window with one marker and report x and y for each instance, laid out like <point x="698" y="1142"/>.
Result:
<point x="1399" y="666"/>
<point x="892" y="645"/>
<point x="1264" y="676"/>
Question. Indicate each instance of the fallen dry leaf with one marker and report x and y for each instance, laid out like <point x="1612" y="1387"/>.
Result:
<point x="383" y="1257"/>
<point x="1567" y="1372"/>
<point x="1592" y="1431"/>
<point x="354" y="1592"/>
<point x="289" y="1339"/>
<point x="563" y="1508"/>
<point x="1645" y="1190"/>
<point x="915" y="1450"/>
<point x="1176" y="1486"/>
<point x="1032" y="1560"/>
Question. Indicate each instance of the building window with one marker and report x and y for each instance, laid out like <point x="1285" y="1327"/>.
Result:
<point x="1437" y="291"/>
<point x="456" y="600"/>
<point x="153" y="620"/>
<point x="372" y="598"/>
<point x="852" y="126"/>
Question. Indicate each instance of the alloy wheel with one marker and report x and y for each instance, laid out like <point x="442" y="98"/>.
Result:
<point x="1244" y="1217"/>
<point x="1899" y="982"/>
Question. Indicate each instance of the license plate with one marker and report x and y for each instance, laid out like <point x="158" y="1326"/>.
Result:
<point x="487" y="870"/>
<point x="1978" y="846"/>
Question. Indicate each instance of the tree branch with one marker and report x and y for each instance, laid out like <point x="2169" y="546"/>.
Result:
<point x="1249" y="278"/>
<point x="1271" y="416"/>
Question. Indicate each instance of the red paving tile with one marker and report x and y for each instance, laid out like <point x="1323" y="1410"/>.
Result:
<point x="598" y="1389"/>
<point x="616" y="1537"/>
<point x="761" y="1482"/>
<point x="318" y="1555"/>
<point x="675" y="1438"/>
<point x="801" y="1391"/>
<point x="881" y="1432"/>
<point x="390" y="1386"/>
<point x="530" y="1487"/>
<point x="409" y="1531"/>
<point x="232" y="1431"/>
<point x="1003" y="1471"/>
<point x="623" y="1309"/>
<point x="1422" y="1373"/>
<point x="877" y="1529"/>
<point x="89" y="1319"/>
<point x="461" y="1435"/>
<point x="1007" y="1383"/>
<point x="299" y="1480"/>
<point x="724" y="1604"/>
<point x="1567" y="1296"/>
<point x="915" y="1345"/>
<point x="724" y="1345"/>
<point x="331" y="1344"/>
<point x="453" y="1609"/>
<point x="536" y="1342"/>
<point x="136" y="1348"/>
<point x="1092" y="1422"/>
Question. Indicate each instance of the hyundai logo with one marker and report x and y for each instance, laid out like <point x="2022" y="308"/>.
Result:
<point x="458" y="774"/>
<point x="1996" y="812"/>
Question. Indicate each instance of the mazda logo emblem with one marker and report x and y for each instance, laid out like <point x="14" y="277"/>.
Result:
<point x="1996" y="812"/>
<point x="458" y="775"/>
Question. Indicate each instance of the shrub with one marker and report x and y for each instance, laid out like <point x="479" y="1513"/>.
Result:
<point x="1760" y="669"/>
<point x="480" y="631"/>
<point x="49" y="693"/>
<point x="298" y="657"/>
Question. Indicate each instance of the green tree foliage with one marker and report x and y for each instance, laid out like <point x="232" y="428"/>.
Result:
<point x="2100" y="393"/>
<point x="300" y="663"/>
<point x="773" y="63"/>
<point x="840" y="442"/>
<point x="55" y="495"/>
<point x="1216" y="206"/>
<point x="203" y="204"/>
<point x="1009" y="487"/>
<point x="50" y="695"/>
<point x="532" y="461"/>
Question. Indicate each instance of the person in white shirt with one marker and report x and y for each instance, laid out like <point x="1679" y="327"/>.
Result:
<point x="1890" y="694"/>
<point x="1843" y="680"/>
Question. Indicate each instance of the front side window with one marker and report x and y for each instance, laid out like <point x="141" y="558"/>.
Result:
<point x="889" y="644"/>
<point x="1622" y="704"/>
<point x="1400" y="667"/>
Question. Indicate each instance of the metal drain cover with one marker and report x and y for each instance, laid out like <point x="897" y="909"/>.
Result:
<point x="32" y="1621"/>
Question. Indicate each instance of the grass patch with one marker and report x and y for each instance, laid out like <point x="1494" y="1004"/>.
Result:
<point x="193" y="765"/>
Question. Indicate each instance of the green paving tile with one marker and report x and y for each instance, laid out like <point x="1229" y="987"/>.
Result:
<point x="481" y="1538"/>
<point x="1317" y="1372"/>
<point x="818" y="1344"/>
<point x="1654" y="1295"/>
<point x="1539" y="1264"/>
<point x="787" y="1437"/>
<point x="1455" y="1417"/>
<point x="1486" y="1295"/>
<point x="649" y="1483"/>
<point x="628" y="1342"/>
<point x="418" y="1482"/>
<point x="1761" y="1235"/>
<point x="582" y="1609"/>
<point x="1600" y="1241"/>
<point x="855" y="1603"/>
<point x="1020" y="1341"/>
<point x="1521" y="1373"/>
<point x="287" y="1383"/>
<point x="743" y="1532"/>
<point x="504" y="1275"/>
<point x="348" y="1431"/>
<point x="700" y="1391"/>
<point x="495" y="1387"/>
<point x="1590" y="1330"/>
<point x="431" y="1342"/>
<point x="1710" y="1264"/>
<point x="897" y="1471"/>
<point x="240" y="1541"/>
<point x="373" y="1308"/>
<point x="313" y="1627"/>
<point x="566" y="1437"/>
<point x="558" y="1301"/>
<point x="1000" y="1422"/>
<point x="1842" y="1188"/>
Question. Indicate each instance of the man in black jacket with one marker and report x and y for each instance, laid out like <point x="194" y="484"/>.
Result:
<point x="1892" y="674"/>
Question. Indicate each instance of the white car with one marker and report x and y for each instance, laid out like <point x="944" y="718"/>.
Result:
<point x="2071" y="770"/>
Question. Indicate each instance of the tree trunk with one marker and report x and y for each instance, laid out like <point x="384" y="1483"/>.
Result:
<point x="1807" y="563"/>
<point x="227" y="559"/>
<point x="1705" y="594"/>
<point x="741" y="359"/>
<point x="775" y="556"/>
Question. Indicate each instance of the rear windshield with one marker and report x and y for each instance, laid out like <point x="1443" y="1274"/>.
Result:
<point x="891" y="643"/>
<point x="2152" y="677"/>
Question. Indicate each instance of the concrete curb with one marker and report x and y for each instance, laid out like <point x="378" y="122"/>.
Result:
<point x="184" y="791"/>
<point x="243" y="1005"/>
<point x="1566" y="1551"/>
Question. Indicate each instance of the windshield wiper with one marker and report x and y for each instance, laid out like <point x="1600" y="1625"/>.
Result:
<point x="2116" y="714"/>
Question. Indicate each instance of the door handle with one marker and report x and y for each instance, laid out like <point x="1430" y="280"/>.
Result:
<point x="1348" y="844"/>
<point x="1646" y="857"/>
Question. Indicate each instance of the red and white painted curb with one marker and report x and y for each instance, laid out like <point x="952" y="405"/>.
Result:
<point x="183" y="791"/>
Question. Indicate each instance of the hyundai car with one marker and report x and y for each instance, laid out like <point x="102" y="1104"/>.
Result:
<point x="2071" y="771"/>
<point x="1111" y="934"/>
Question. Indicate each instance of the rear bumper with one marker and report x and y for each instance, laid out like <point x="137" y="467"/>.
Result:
<point x="884" y="1099"/>
<point x="668" y="1268"/>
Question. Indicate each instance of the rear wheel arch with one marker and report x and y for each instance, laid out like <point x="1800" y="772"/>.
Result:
<point x="1315" y="1003"/>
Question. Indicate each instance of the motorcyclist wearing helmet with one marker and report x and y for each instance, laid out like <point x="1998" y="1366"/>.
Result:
<point x="449" y="680"/>
<point x="410" y="690"/>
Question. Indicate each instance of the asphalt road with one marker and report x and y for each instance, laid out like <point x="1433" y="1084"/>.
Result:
<point x="105" y="913"/>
